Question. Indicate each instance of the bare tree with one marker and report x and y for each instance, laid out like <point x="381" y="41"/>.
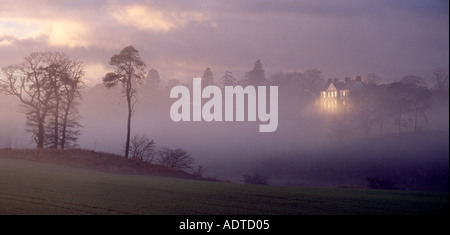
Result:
<point x="440" y="75"/>
<point x="129" y="69"/>
<point x="200" y="171"/>
<point x="175" y="158"/>
<point x="71" y="87"/>
<point x="30" y="84"/>
<point x="65" y="76"/>
<point x="142" y="148"/>
<point x="41" y="84"/>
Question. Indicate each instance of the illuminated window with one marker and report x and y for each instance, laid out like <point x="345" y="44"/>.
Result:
<point x="335" y="93"/>
<point x="343" y="93"/>
<point x="324" y="94"/>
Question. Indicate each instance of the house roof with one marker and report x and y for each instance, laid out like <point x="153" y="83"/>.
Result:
<point x="342" y="85"/>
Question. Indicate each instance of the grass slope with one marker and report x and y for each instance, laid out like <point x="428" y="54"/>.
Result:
<point x="28" y="187"/>
<point x="100" y="161"/>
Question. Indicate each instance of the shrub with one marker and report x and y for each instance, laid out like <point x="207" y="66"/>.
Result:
<point x="377" y="183"/>
<point x="256" y="179"/>
<point x="142" y="148"/>
<point x="175" y="158"/>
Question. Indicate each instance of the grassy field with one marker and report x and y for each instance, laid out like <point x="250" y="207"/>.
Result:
<point x="28" y="187"/>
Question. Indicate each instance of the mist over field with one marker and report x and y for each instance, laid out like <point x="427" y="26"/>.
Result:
<point x="309" y="148"/>
<point x="299" y="46"/>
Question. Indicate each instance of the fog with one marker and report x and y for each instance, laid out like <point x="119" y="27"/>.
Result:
<point x="310" y="147"/>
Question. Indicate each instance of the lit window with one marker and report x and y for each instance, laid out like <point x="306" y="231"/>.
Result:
<point x="335" y="93"/>
<point x="324" y="94"/>
<point x="343" y="93"/>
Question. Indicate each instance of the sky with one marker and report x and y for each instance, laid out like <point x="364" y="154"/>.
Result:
<point x="180" y="39"/>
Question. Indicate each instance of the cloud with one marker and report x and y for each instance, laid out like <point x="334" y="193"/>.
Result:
<point x="68" y="34"/>
<point x="58" y="32"/>
<point x="148" y="17"/>
<point x="94" y="73"/>
<point x="181" y="38"/>
<point x="6" y="42"/>
<point x="20" y="28"/>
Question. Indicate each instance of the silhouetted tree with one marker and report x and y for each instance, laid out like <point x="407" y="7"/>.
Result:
<point x="256" y="76"/>
<point x="72" y="85"/>
<point x="304" y="86"/>
<point x="200" y="171"/>
<point x="410" y="95"/>
<point x="363" y="103"/>
<point x="65" y="76"/>
<point x="129" y="69"/>
<point x="382" y="112"/>
<point x="399" y="96"/>
<point x="372" y="78"/>
<point x="41" y="84"/>
<point x="207" y="78"/>
<point x="153" y="80"/>
<point x="29" y="84"/>
<point x="228" y="79"/>
<point x="313" y="81"/>
<point x="142" y="148"/>
<point x="175" y="158"/>
<point x="420" y="96"/>
<point x="440" y="76"/>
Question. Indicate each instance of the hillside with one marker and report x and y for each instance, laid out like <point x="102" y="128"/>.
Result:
<point x="100" y="161"/>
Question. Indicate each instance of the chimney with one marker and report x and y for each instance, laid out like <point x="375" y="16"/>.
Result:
<point x="358" y="78"/>
<point x="329" y="79"/>
<point x="347" y="79"/>
<point x="336" y="79"/>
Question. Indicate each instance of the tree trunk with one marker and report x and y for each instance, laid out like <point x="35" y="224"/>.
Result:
<point x="130" y="110"/>
<point x="41" y="132"/>
<point x="127" y="144"/>
<point x="56" y="127"/>
<point x="64" y="128"/>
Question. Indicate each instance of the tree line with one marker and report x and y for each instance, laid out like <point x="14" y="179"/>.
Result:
<point x="402" y="103"/>
<point x="48" y="84"/>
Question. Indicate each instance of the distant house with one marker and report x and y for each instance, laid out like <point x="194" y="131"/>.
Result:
<point x="335" y="94"/>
